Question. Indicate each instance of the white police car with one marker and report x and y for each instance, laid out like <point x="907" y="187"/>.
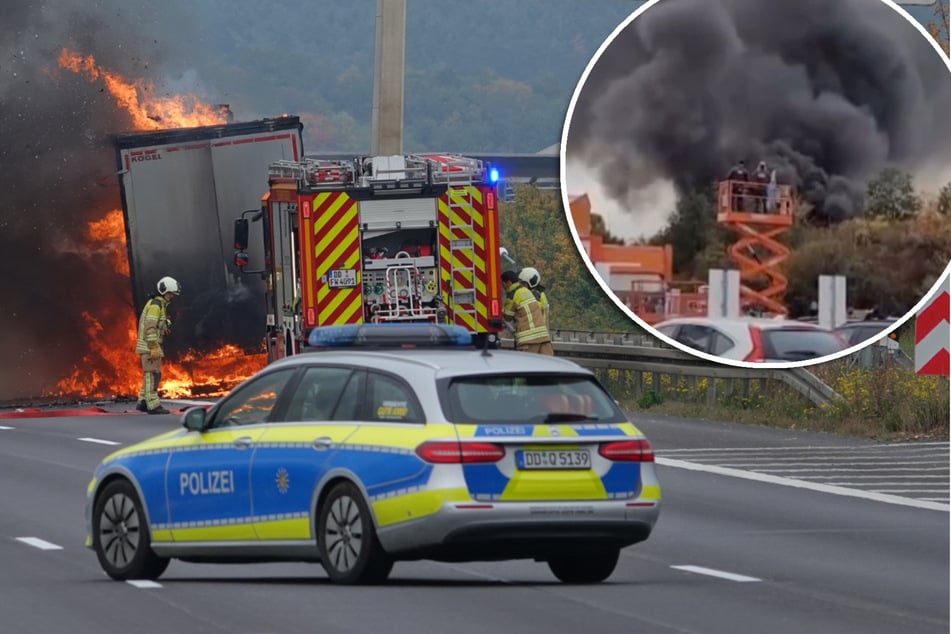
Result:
<point x="387" y="443"/>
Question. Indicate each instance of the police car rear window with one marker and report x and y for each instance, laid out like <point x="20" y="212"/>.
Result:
<point x="531" y="399"/>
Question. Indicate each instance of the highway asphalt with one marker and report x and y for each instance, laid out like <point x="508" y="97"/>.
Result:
<point x="754" y="548"/>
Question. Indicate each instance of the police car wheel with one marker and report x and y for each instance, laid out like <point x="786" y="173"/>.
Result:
<point x="349" y="548"/>
<point x="585" y="566"/>
<point x="121" y="536"/>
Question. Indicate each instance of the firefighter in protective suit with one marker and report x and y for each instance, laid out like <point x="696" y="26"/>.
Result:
<point x="154" y="324"/>
<point x="531" y="277"/>
<point x="522" y="308"/>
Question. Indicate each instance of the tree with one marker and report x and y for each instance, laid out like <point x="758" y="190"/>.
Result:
<point x="598" y="228"/>
<point x="944" y="200"/>
<point x="939" y="30"/>
<point x="891" y="195"/>
<point x="690" y="230"/>
<point x="534" y="228"/>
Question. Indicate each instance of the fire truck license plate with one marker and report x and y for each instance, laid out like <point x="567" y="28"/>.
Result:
<point x="553" y="459"/>
<point x="342" y="278"/>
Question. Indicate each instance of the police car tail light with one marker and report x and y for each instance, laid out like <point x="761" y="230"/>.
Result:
<point x="638" y="450"/>
<point x="454" y="452"/>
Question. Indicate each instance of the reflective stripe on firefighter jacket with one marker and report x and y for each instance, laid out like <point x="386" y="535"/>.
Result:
<point x="153" y="324"/>
<point x="546" y="307"/>
<point x="528" y="315"/>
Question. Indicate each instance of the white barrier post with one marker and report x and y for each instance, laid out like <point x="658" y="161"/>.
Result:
<point x="832" y="311"/>
<point x="724" y="293"/>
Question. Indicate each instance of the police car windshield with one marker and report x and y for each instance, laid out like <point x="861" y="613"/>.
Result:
<point x="531" y="399"/>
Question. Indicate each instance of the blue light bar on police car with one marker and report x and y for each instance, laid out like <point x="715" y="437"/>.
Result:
<point x="392" y="335"/>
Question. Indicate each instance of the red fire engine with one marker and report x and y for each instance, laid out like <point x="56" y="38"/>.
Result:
<point x="379" y="239"/>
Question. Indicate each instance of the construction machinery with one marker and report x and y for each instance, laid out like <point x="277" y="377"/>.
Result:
<point x="758" y="213"/>
<point x="377" y="239"/>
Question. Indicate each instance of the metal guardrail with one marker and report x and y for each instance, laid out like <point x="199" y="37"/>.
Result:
<point x="646" y="355"/>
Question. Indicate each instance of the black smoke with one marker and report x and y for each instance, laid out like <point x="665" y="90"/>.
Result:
<point x="828" y="92"/>
<point x="58" y="173"/>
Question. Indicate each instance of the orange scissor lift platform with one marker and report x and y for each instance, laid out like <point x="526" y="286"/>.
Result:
<point x="758" y="220"/>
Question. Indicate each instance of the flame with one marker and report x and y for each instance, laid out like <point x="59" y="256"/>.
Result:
<point x="138" y="98"/>
<point x="110" y="231"/>
<point x="110" y="368"/>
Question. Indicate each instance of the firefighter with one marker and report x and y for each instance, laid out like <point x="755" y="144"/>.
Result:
<point x="521" y="307"/>
<point x="533" y="279"/>
<point x="154" y="324"/>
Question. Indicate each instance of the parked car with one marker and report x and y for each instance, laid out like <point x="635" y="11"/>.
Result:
<point x="386" y="443"/>
<point x="753" y="339"/>
<point x="856" y="332"/>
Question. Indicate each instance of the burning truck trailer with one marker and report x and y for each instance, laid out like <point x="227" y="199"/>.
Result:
<point x="182" y="190"/>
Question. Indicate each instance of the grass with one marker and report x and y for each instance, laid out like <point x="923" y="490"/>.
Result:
<point x="883" y="404"/>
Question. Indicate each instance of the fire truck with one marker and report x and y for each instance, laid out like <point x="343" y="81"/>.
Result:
<point x="377" y="239"/>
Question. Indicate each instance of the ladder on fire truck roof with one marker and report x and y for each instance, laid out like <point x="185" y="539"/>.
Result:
<point x="448" y="169"/>
<point x="451" y="168"/>
<point x="462" y="262"/>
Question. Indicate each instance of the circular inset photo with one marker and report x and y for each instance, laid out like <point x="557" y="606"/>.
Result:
<point x="765" y="183"/>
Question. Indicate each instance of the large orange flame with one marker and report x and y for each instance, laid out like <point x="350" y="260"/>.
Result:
<point x="138" y="98"/>
<point x="110" y="368"/>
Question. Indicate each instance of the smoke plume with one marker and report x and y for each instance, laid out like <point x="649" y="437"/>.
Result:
<point x="57" y="286"/>
<point x="828" y="92"/>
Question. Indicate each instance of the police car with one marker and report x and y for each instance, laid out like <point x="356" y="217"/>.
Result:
<point x="385" y="443"/>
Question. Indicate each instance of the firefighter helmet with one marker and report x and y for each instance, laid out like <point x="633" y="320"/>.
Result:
<point x="169" y="285"/>
<point x="530" y="276"/>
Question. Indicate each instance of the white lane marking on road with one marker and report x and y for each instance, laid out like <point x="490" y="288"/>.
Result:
<point x="886" y="477"/>
<point x="802" y="484"/>
<point x="915" y="445"/>
<point x="5" y="428"/>
<point x="700" y="570"/>
<point x="860" y="469"/>
<point x="36" y="542"/>
<point x="100" y="441"/>
<point x="854" y="464"/>
<point x="143" y="583"/>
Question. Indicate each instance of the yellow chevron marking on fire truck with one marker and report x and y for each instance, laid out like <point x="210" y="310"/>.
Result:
<point x="323" y="290"/>
<point x="343" y="243"/>
<point x="353" y="297"/>
<point x="468" y="319"/>
<point x="356" y="306"/>
<point x="322" y="215"/>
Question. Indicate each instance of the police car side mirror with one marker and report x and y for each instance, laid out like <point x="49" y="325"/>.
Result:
<point x="194" y="418"/>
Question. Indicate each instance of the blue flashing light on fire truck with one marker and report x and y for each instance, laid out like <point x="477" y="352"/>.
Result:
<point x="382" y="239"/>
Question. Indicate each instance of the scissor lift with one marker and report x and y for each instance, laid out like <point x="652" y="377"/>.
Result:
<point x="758" y="219"/>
